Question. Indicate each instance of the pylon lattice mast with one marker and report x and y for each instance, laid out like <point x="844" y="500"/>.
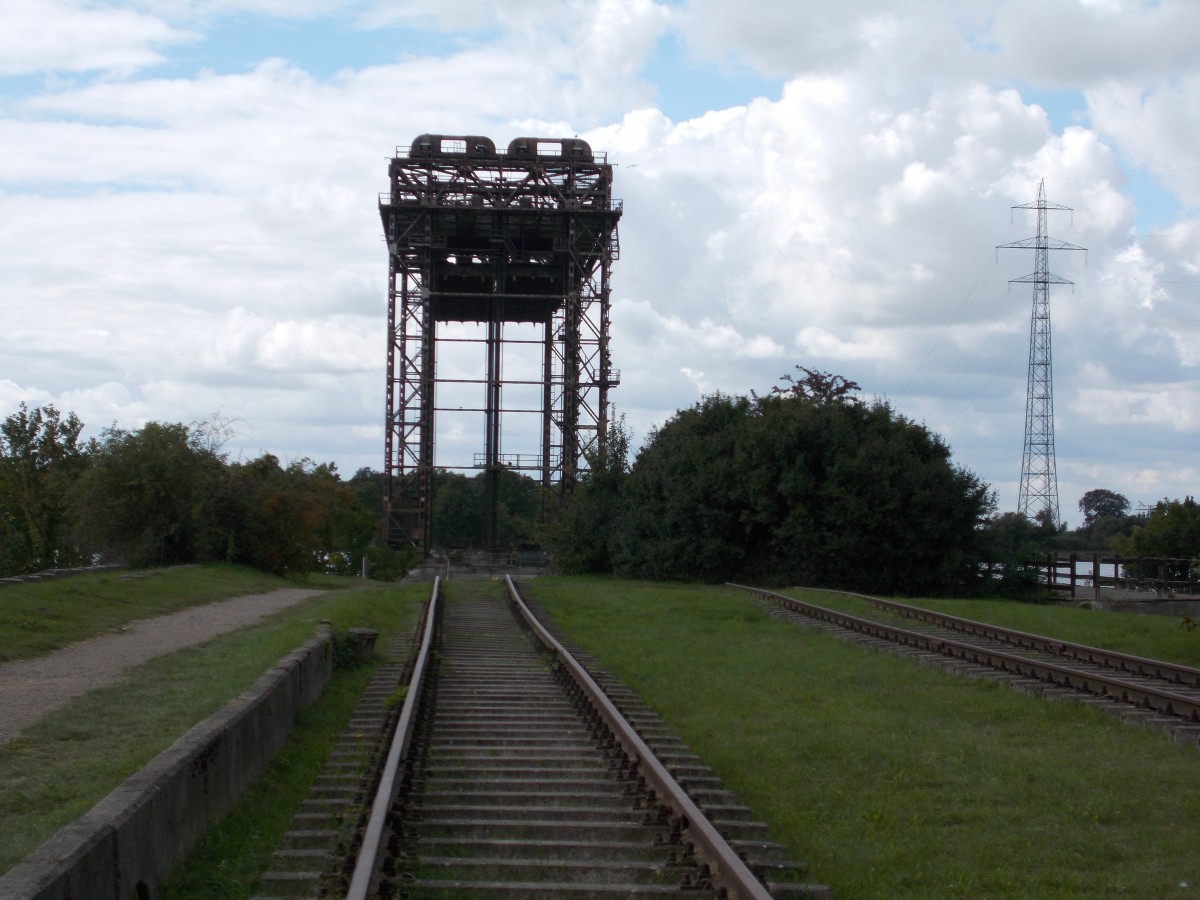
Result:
<point x="1039" y="477"/>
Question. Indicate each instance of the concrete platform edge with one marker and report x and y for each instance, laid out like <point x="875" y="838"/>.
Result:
<point x="129" y="841"/>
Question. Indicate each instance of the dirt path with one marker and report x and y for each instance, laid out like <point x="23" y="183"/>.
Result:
<point x="31" y="688"/>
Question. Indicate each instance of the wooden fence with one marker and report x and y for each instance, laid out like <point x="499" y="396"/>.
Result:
<point x="1084" y="574"/>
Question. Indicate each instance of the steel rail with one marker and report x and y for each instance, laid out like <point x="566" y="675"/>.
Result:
<point x="1114" y="659"/>
<point x="364" y="867"/>
<point x="1103" y="685"/>
<point x="729" y="871"/>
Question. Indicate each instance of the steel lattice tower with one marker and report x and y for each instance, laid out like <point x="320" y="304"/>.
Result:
<point x="1039" y="478"/>
<point x="526" y="239"/>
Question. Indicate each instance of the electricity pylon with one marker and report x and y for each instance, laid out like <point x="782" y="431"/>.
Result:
<point x="1039" y="479"/>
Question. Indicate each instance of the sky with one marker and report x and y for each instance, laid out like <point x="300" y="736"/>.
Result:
<point x="189" y="226"/>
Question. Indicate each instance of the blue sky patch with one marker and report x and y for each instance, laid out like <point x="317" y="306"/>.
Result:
<point x="688" y="88"/>
<point x="321" y="47"/>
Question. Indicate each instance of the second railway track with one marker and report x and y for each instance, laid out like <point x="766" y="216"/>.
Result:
<point x="514" y="782"/>
<point x="1149" y="692"/>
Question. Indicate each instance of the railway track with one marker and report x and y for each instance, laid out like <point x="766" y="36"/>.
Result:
<point x="1149" y="692"/>
<point x="512" y="773"/>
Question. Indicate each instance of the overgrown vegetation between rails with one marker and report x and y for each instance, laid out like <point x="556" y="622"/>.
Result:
<point x="896" y="780"/>
<point x="59" y="768"/>
<point x="1155" y="637"/>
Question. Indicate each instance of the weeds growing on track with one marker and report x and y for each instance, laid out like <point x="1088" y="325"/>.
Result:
<point x="1152" y="636"/>
<point x="894" y="779"/>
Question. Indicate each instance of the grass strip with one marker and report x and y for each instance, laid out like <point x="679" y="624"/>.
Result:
<point x="228" y="862"/>
<point x="60" y="767"/>
<point x="41" y="616"/>
<point x="893" y="779"/>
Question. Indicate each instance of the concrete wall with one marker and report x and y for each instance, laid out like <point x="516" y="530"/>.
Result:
<point x="132" y="838"/>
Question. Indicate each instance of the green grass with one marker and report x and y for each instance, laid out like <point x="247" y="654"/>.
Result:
<point x="38" y="617"/>
<point x="892" y="779"/>
<point x="233" y="854"/>
<point x="60" y="767"/>
<point x="1153" y="636"/>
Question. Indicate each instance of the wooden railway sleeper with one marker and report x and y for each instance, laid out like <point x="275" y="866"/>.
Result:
<point x="614" y="758"/>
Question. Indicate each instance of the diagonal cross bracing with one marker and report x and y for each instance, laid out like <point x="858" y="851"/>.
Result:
<point x="528" y="237"/>
<point x="1039" y="478"/>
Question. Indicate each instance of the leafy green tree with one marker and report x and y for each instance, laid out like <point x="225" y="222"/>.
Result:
<point x="686" y="514"/>
<point x="368" y="486"/>
<point x="1105" y="517"/>
<point x="153" y="496"/>
<point x="345" y="528"/>
<point x="865" y="498"/>
<point x="817" y="386"/>
<point x="1009" y="543"/>
<point x="386" y="564"/>
<point x="582" y="536"/>
<point x="1171" y="531"/>
<point x="519" y="508"/>
<point x="297" y="519"/>
<point x="1013" y="537"/>
<point x="40" y="458"/>
<point x="1101" y="502"/>
<point x="1105" y="530"/>
<point x="457" y="510"/>
<point x="164" y="494"/>
<point x="805" y="485"/>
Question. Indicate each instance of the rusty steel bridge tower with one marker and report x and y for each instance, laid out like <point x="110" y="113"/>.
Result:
<point x="524" y="240"/>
